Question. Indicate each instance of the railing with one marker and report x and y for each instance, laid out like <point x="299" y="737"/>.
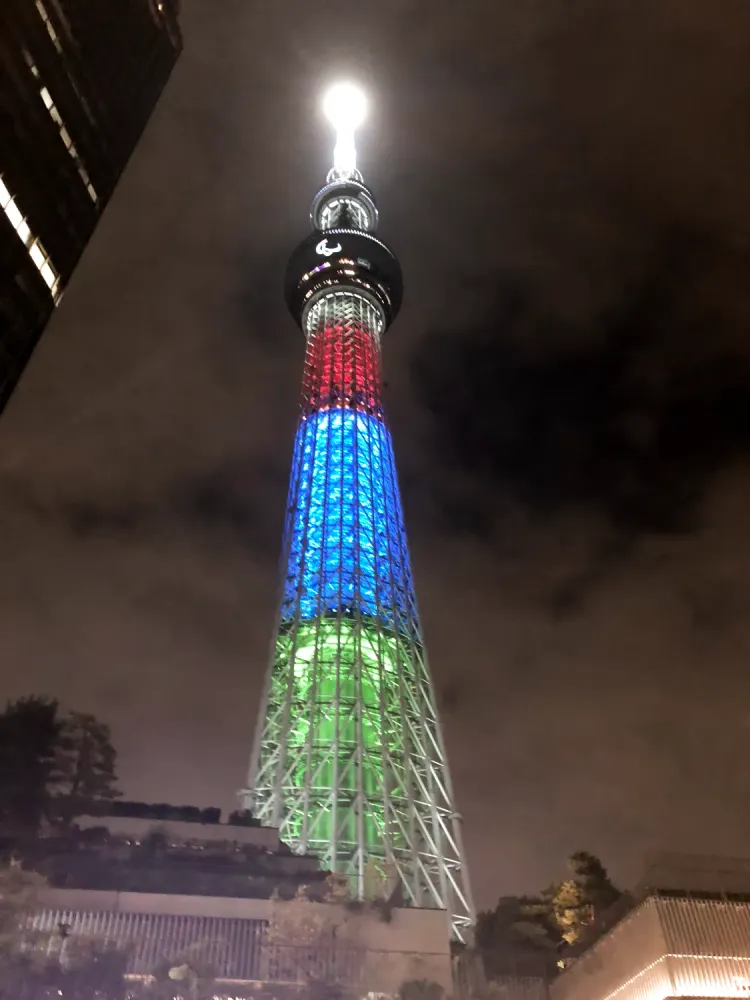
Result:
<point x="234" y="949"/>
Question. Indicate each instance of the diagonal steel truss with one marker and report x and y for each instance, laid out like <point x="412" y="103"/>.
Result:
<point x="349" y="760"/>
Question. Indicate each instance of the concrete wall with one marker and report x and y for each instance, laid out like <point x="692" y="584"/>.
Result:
<point x="414" y="944"/>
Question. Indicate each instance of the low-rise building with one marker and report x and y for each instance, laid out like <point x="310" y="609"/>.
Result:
<point x="164" y="852"/>
<point x="160" y="883"/>
<point x="685" y="934"/>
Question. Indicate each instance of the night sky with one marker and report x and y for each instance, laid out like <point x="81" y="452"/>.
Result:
<point x="567" y="185"/>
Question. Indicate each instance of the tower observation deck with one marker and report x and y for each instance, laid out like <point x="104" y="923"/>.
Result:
<point x="349" y="760"/>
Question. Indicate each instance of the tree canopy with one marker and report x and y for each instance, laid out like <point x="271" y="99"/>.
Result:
<point x="31" y="733"/>
<point x="531" y="935"/>
<point x="518" y="937"/>
<point x="579" y="901"/>
<point x="86" y="759"/>
<point x="49" y="761"/>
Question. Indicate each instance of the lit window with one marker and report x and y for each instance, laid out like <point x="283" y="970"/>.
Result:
<point x="36" y="251"/>
<point x="30" y="63"/>
<point x="36" y="255"/>
<point x="14" y="214"/>
<point x="157" y="12"/>
<point x="64" y="134"/>
<point x="47" y="273"/>
<point x="48" y="24"/>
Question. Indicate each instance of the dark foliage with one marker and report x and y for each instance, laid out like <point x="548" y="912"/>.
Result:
<point x="242" y="817"/>
<point x="421" y="989"/>
<point x="30" y="737"/>
<point x="533" y="935"/>
<point x="89" y="971"/>
<point x="87" y="759"/>
<point x="518" y="938"/>
<point x="160" y="811"/>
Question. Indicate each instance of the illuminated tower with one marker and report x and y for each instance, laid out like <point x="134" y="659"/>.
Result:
<point x="349" y="760"/>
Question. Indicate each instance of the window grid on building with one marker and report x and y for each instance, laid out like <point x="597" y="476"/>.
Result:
<point x="36" y="251"/>
<point x="49" y="26"/>
<point x="67" y="141"/>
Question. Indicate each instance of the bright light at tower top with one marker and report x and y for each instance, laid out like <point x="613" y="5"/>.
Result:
<point x="345" y="106"/>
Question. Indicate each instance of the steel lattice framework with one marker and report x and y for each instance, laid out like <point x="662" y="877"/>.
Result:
<point x="349" y="760"/>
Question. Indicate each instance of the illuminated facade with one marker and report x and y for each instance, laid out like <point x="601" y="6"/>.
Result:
<point x="666" y="947"/>
<point x="349" y="760"/>
<point x="686" y="935"/>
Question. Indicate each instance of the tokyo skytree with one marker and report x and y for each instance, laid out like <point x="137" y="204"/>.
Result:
<point x="349" y="760"/>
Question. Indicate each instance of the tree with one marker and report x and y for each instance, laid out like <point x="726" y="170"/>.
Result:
<point x="592" y="876"/>
<point x="530" y="935"/>
<point x="579" y="901"/>
<point x="189" y="974"/>
<point x="36" y="964"/>
<point x="79" y="968"/>
<point x="19" y="894"/>
<point x="518" y="937"/>
<point x="51" y="764"/>
<point x="421" y="989"/>
<point x="87" y="759"/>
<point x="301" y="935"/>
<point x="88" y="968"/>
<point x="30" y="736"/>
<point x="570" y="910"/>
<point x="301" y="940"/>
<point x="19" y="891"/>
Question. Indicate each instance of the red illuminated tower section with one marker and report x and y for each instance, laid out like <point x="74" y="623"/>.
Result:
<point x="342" y="368"/>
<point x="349" y="760"/>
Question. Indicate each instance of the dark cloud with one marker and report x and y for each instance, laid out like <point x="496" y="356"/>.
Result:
<point x="235" y="500"/>
<point x="230" y="503"/>
<point x="87" y="520"/>
<point x="631" y="413"/>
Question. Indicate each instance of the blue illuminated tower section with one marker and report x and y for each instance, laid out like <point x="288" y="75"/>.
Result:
<point x="349" y="761"/>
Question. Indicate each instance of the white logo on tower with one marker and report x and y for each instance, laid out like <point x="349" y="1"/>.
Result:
<point x="325" y="250"/>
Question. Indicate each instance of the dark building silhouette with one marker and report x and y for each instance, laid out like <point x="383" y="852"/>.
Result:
<point x="78" y="82"/>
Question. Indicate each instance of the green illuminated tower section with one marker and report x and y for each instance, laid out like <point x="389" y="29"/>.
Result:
<point x="349" y="761"/>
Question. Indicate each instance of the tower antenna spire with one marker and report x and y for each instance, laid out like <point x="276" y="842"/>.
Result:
<point x="345" y="106"/>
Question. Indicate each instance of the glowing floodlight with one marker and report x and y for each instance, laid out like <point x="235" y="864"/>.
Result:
<point x="345" y="106"/>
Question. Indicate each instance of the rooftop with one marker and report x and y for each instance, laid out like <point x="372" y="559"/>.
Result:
<point x="166" y="849"/>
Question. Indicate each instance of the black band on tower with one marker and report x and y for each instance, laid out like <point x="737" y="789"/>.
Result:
<point x="343" y="258"/>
